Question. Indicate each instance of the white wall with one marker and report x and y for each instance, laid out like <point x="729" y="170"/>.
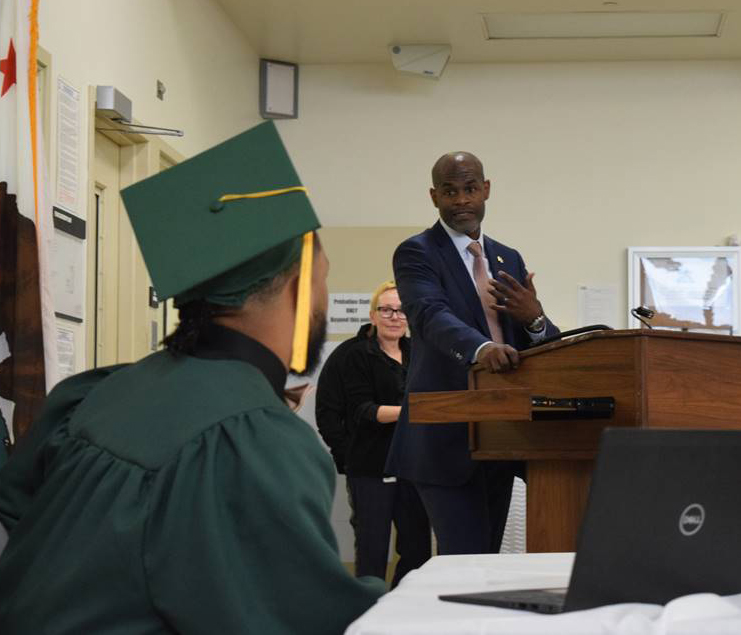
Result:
<point x="208" y="67"/>
<point x="586" y="159"/>
<point x="209" y="70"/>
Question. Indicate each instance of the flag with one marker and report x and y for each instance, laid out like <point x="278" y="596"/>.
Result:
<point x="27" y="328"/>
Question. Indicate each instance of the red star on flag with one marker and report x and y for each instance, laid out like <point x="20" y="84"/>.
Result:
<point x="7" y="68"/>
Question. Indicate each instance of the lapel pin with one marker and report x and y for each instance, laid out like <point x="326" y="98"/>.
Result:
<point x="500" y="260"/>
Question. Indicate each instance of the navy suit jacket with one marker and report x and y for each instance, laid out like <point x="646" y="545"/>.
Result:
<point x="447" y="325"/>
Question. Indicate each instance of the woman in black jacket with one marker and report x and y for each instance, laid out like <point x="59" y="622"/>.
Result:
<point x="375" y="378"/>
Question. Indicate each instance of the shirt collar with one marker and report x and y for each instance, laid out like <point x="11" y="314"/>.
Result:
<point x="461" y="241"/>
<point x="219" y="342"/>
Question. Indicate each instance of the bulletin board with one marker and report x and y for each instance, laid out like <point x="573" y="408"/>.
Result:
<point x="689" y="288"/>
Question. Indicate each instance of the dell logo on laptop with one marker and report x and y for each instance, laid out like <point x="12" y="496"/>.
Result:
<point x="691" y="519"/>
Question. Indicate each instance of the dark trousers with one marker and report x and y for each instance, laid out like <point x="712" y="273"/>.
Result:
<point x="470" y="518"/>
<point x="375" y="505"/>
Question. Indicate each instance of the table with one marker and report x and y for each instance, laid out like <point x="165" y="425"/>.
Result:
<point x="413" y="608"/>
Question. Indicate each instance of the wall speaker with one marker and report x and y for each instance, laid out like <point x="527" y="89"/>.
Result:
<point x="278" y="90"/>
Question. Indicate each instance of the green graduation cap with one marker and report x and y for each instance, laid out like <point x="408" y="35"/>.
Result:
<point x="189" y="228"/>
<point x="220" y="223"/>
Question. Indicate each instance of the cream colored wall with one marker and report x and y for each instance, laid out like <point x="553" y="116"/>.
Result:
<point x="209" y="70"/>
<point x="586" y="159"/>
<point x="360" y="257"/>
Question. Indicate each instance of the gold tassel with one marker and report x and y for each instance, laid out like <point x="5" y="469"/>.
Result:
<point x="303" y="306"/>
<point x="286" y="190"/>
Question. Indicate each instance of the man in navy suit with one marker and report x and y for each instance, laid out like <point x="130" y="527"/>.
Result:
<point x="465" y="303"/>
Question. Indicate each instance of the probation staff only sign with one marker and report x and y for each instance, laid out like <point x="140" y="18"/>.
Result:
<point x="347" y="311"/>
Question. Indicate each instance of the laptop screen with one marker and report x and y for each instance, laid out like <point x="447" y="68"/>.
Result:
<point x="663" y="518"/>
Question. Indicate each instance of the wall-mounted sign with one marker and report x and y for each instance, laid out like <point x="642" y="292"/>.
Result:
<point x="347" y="312"/>
<point x="68" y="265"/>
<point x="68" y="145"/>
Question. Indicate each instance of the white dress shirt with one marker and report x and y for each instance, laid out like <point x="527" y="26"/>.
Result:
<point x="461" y="242"/>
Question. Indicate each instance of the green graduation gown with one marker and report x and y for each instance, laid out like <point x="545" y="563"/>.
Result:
<point x="176" y="494"/>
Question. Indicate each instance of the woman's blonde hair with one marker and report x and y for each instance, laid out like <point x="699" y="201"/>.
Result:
<point x="386" y="286"/>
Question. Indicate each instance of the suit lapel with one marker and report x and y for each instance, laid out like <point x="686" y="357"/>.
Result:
<point x="460" y="274"/>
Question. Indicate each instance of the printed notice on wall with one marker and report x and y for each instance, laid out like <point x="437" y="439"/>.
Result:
<point x="597" y="305"/>
<point x="66" y="352"/>
<point x="347" y="311"/>
<point x="68" y="265"/>
<point x="68" y="145"/>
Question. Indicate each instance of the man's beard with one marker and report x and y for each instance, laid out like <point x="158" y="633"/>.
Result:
<point x="317" y="336"/>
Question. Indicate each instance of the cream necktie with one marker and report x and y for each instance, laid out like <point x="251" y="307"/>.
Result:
<point x="482" y="285"/>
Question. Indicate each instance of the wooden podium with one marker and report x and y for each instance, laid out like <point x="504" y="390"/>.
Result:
<point x="657" y="378"/>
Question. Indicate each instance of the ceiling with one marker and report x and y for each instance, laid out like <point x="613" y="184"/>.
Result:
<point x="360" y="31"/>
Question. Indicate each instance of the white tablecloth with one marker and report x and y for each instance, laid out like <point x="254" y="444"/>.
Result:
<point x="413" y="608"/>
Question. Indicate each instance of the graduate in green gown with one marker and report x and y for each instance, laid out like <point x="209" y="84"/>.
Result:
<point x="180" y="493"/>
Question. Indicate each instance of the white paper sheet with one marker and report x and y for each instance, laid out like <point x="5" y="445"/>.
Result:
<point x="68" y="274"/>
<point x="68" y="145"/>
<point x="66" y="352"/>
<point x="597" y="305"/>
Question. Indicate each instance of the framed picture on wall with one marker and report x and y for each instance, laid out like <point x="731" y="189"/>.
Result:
<point x="688" y="288"/>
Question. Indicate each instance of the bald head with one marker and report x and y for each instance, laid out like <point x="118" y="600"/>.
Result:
<point x="453" y="163"/>
<point x="459" y="191"/>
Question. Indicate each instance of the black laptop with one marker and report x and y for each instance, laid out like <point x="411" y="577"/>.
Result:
<point x="663" y="520"/>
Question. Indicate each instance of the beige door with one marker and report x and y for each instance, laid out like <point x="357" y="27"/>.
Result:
<point x="126" y="325"/>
